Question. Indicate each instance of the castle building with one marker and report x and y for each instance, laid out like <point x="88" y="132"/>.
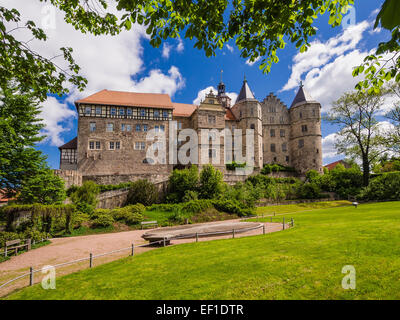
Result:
<point x="112" y="143"/>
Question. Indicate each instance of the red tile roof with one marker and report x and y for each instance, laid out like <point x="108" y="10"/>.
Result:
<point x="229" y="115"/>
<point x="183" y="109"/>
<point x="134" y="99"/>
<point x="332" y="165"/>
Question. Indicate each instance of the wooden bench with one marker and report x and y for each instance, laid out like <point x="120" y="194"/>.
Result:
<point x="148" y="223"/>
<point x="15" y="245"/>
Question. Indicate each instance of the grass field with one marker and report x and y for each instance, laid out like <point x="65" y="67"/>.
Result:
<point x="300" y="263"/>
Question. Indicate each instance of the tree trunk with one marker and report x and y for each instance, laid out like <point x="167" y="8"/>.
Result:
<point x="365" y="165"/>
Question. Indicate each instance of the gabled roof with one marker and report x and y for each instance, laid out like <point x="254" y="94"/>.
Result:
<point x="73" y="144"/>
<point x="134" y="99"/>
<point x="302" y="96"/>
<point x="229" y="115"/>
<point x="332" y="165"/>
<point x="245" y="93"/>
<point x="183" y="109"/>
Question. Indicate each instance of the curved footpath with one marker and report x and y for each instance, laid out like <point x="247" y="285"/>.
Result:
<point x="72" y="248"/>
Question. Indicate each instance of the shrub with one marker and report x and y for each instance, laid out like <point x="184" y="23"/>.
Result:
<point x="383" y="187"/>
<point x="142" y="191"/>
<point x="190" y="195"/>
<point x="211" y="182"/>
<point x="182" y="181"/>
<point x="233" y="165"/>
<point x="7" y="236"/>
<point x="268" y="168"/>
<point x="195" y="206"/>
<point x="103" y="220"/>
<point x="310" y="190"/>
<point x="132" y="214"/>
<point x="85" y="197"/>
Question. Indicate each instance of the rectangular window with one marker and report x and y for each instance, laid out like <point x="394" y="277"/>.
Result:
<point x="138" y="128"/>
<point x="142" y="112"/>
<point x="211" y="119"/>
<point x="304" y="128"/>
<point x="212" y="153"/>
<point x="283" y="133"/>
<point x="121" y="111"/>
<point x="162" y="128"/>
<point x="92" y="126"/>
<point x="145" y="127"/>
<point x="123" y="127"/>
<point x="111" y="145"/>
<point x="284" y="147"/>
<point x="128" y="127"/>
<point x="156" y="128"/>
<point x="98" y="145"/>
<point x="140" y="146"/>
<point x="129" y="111"/>
<point x="156" y="114"/>
<point x="98" y="110"/>
<point x="272" y="132"/>
<point x="110" y="127"/>
<point x="282" y="120"/>
<point x="179" y="125"/>
<point x="272" y="119"/>
<point x="91" y="145"/>
<point x="165" y="114"/>
<point x="88" y="110"/>
<point x="301" y="143"/>
<point x="113" y="111"/>
<point x="117" y="145"/>
<point x="287" y="158"/>
<point x="273" y="148"/>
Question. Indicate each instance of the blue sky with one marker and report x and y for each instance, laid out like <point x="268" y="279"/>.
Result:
<point x="128" y="62"/>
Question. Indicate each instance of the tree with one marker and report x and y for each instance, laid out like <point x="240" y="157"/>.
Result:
<point x="19" y="132"/>
<point x="359" y="136"/>
<point x="44" y="187"/>
<point x="211" y="182"/>
<point x="392" y="138"/>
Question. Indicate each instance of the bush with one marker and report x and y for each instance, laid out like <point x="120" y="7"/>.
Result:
<point x="268" y="168"/>
<point x="211" y="182"/>
<point x="182" y="181"/>
<point x="233" y="165"/>
<point x="142" y="191"/>
<point x="310" y="190"/>
<point x="190" y="195"/>
<point x="85" y="197"/>
<point x="103" y="220"/>
<point x="383" y="187"/>
<point x="132" y="214"/>
<point x="7" y="236"/>
<point x="43" y="218"/>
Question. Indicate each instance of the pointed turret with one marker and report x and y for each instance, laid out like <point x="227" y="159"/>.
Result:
<point x="302" y="96"/>
<point x="245" y="92"/>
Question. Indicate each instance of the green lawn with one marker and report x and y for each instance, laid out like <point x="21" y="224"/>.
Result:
<point x="300" y="263"/>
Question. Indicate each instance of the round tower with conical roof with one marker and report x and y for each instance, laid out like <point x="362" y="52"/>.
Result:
<point x="305" y="133"/>
<point x="247" y="111"/>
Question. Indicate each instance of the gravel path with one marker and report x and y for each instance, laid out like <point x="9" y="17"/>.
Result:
<point x="67" y="249"/>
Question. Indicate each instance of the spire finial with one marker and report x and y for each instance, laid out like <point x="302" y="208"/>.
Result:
<point x="221" y="74"/>
<point x="244" y="78"/>
<point x="301" y="84"/>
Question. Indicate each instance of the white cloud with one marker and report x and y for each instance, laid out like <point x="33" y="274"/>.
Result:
<point x="166" y="50"/>
<point x="230" y="48"/>
<point x="202" y="94"/>
<point x="327" y="66"/>
<point x="180" y="45"/>
<point x="107" y="62"/>
<point x="251" y="63"/>
<point x="52" y="113"/>
<point x="158" y="82"/>
<point x="328" y="148"/>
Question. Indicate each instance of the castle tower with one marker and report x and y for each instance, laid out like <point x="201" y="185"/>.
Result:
<point x="305" y="136"/>
<point x="223" y="98"/>
<point x="247" y="110"/>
